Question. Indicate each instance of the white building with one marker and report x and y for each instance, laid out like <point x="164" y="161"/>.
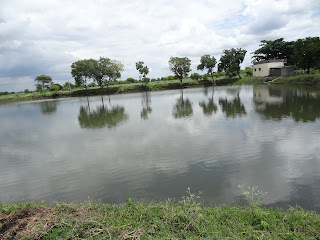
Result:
<point x="273" y="67"/>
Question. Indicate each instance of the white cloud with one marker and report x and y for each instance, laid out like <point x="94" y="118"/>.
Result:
<point x="46" y="37"/>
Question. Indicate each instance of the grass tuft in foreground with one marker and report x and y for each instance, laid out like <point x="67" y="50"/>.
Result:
<point x="166" y="220"/>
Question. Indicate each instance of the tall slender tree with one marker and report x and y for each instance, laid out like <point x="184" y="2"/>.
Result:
<point x="207" y="62"/>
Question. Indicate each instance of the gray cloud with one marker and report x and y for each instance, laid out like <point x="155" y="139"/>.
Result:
<point x="46" y="37"/>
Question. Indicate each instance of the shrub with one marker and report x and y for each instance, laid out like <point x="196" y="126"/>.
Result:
<point x="68" y="86"/>
<point x="146" y="80"/>
<point x="195" y="76"/>
<point x="131" y="80"/>
<point x="27" y="91"/>
<point x="153" y="80"/>
<point x="92" y="84"/>
<point x="170" y="78"/>
<point x="55" y="87"/>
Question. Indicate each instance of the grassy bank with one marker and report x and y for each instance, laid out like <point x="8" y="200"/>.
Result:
<point x="167" y="220"/>
<point x="300" y="80"/>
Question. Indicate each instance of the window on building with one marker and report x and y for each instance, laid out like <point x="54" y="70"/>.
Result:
<point x="259" y="69"/>
<point x="255" y="69"/>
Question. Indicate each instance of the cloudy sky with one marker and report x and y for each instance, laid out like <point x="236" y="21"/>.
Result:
<point x="45" y="37"/>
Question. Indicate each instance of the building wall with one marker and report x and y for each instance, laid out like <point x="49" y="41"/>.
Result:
<point x="287" y="70"/>
<point x="263" y="69"/>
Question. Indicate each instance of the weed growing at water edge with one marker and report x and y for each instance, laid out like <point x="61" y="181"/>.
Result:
<point x="253" y="194"/>
<point x="191" y="198"/>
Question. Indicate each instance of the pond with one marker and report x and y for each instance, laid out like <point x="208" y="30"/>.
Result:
<point x="152" y="146"/>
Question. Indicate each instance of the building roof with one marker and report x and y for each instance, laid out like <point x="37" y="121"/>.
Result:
<point x="270" y="61"/>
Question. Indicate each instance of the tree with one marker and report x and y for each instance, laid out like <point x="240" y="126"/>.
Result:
<point x="143" y="70"/>
<point x="101" y="71"/>
<point x="82" y="70"/>
<point x="38" y="87"/>
<point x="207" y="62"/>
<point x="230" y="61"/>
<point x="195" y="76"/>
<point x="108" y="70"/>
<point x="248" y="71"/>
<point x="68" y="85"/>
<point x="44" y="80"/>
<point x="180" y="67"/>
<point x="277" y="49"/>
<point x="307" y="53"/>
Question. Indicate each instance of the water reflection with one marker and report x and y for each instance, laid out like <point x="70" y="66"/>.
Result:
<point x="159" y="159"/>
<point x="276" y="103"/>
<point x="146" y="105"/>
<point x="208" y="107"/>
<point x="232" y="108"/>
<point x="102" y="116"/>
<point x="182" y="108"/>
<point x="48" y="107"/>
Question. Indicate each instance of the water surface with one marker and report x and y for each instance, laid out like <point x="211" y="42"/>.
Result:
<point x="153" y="145"/>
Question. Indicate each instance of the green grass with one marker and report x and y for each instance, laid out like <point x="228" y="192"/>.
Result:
<point x="305" y="80"/>
<point x="166" y="220"/>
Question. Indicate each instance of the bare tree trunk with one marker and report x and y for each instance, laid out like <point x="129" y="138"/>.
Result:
<point x="239" y="74"/>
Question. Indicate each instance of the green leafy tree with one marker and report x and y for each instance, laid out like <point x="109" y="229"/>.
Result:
<point x="180" y="67"/>
<point x="44" y="80"/>
<point x="207" y="62"/>
<point x="307" y="53"/>
<point x="55" y="87"/>
<point x="38" y="87"/>
<point x="81" y="71"/>
<point x="248" y="71"/>
<point x="143" y="70"/>
<point x="131" y="80"/>
<point x="68" y="85"/>
<point x="195" y="76"/>
<point x="230" y="61"/>
<point x="105" y="70"/>
<point x="102" y="71"/>
<point x="276" y="49"/>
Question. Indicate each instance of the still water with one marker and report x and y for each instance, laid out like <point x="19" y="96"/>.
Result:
<point x="153" y="145"/>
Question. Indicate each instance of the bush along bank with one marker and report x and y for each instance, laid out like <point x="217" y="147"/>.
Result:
<point x="186" y="219"/>
<point x="301" y="80"/>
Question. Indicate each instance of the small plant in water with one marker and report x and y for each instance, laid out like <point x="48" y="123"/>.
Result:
<point x="191" y="198"/>
<point x="253" y="194"/>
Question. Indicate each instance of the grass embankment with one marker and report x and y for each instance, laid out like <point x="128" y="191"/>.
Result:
<point x="167" y="220"/>
<point x="305" y="80"/>
<point x="124" y="88"/>
<point x="301" y="80"/>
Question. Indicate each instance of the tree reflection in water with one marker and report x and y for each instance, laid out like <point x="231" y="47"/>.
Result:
<point x="273" y="103"/>
<point x="208" y="107"/>
<point x="146" y="105"/>
<point x="102" y="116"/>
<point x="232" y="108"/>
<point x="48" y="107"/>
<point x="182" y="108"/>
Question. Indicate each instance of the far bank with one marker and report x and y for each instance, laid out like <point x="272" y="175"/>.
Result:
<point x="310" y="80"/>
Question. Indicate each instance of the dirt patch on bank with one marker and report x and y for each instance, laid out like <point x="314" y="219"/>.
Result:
<point x="26" y="223"/>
